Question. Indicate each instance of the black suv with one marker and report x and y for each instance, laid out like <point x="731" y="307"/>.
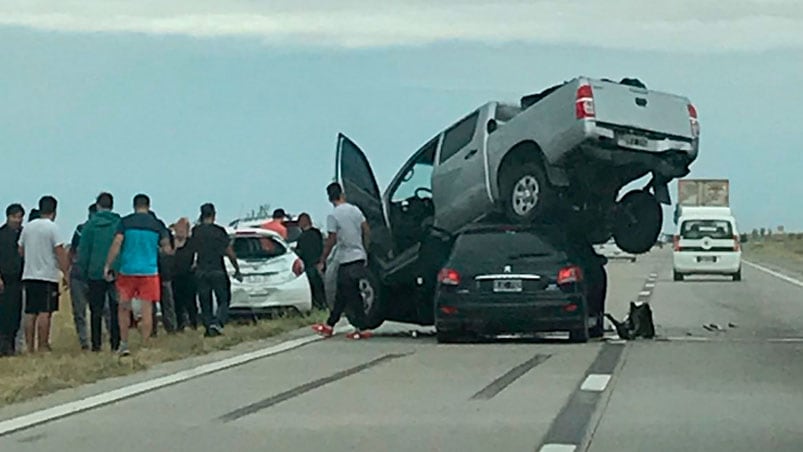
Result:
<point x="515" y="279"/>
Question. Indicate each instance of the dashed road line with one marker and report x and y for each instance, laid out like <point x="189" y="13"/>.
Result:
<point x="558" y="448"/>
<point x="645" y="293"/>
<point x="771" y="272"/>
<point x="596" y="382"/>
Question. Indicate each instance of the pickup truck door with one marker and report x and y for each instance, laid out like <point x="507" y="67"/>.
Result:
<point x="355" y="175"/>
<point x="459" y="182"/>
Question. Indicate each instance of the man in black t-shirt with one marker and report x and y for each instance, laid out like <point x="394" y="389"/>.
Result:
<point x="10" y="279"/>
<point x="210" y="244"/>
<point x="310" y="249"/>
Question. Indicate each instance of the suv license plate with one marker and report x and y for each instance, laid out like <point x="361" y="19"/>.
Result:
<point x="633" y="141"/>
<point x="507" y="285"/>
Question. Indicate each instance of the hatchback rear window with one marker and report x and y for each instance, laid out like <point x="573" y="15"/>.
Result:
<point x="507" y="246"/>
<point x="698" y="229"/>
<point x="256" y="247"/>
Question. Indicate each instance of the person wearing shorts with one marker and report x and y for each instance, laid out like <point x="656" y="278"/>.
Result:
<point x="44" y="256"/>
<point x="137" y="243"/>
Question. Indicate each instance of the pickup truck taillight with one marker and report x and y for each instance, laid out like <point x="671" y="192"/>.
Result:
<point x="584" y="103"/>
<point x="676" y="242"/>
<point x="695" y="124"/>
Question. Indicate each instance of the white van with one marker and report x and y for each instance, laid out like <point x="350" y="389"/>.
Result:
<point x="707" y="243"/>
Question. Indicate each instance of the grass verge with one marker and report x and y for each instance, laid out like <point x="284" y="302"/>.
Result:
<point x="32" y="375"/>
<point x="783" y="250"/>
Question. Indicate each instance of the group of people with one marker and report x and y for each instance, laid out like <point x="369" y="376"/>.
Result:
<point x="120" y="267"/>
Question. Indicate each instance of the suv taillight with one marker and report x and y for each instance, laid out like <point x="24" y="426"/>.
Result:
<point x="449" y="277"/>
<point x="584" y="102"/>
<point x="571" y="274"/>
<point x="695" y="124"/>
<point x="676" y="242"/>
<point x="736" y="245"/>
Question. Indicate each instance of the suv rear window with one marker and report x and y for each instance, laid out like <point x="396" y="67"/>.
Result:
<point x="497" y="246"/>
<point x="715" y="229"/>
<point x="257" y="247"/>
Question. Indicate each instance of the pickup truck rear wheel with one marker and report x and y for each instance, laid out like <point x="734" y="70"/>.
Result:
<point x="526" y="192"/>
<point x="638" y="222"/>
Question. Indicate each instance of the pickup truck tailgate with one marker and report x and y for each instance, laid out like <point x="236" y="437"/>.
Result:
<point x="635" y="107"/>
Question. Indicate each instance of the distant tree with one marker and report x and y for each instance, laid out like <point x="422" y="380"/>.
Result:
<point x="780" y="229"/>
<point x="754" y="233"/>
<point x="763" y="232"/>
<point x="769" y="232"/>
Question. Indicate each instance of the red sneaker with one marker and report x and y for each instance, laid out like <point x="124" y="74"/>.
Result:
<point x="357" y="335"/>
<point x="323" y="329"/>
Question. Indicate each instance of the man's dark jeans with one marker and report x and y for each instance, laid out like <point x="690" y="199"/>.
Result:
<point x="316" y="286"/>
<point x="216" y="282"/>
<point x="99" y="292"/>
<point x="348" y="293"/>
<point x="186" y="297"/>
<point x="10" y="316"/>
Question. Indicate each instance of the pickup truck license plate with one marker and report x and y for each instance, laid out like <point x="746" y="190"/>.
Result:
<point x="507" y="285"/>
<point x="632" y="141"/>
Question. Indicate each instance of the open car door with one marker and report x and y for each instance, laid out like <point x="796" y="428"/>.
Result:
<point x="355" y="175"/>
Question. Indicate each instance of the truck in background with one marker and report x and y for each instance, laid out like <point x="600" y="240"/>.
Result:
<point x="695" y="193"/>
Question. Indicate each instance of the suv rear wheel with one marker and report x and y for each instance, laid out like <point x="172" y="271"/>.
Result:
<point x="373" y="314"/>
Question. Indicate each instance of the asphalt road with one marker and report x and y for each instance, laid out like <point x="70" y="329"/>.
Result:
<point x="735" y="386"/>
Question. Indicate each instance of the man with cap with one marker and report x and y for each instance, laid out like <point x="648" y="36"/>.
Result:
<point x="210" y="244"/>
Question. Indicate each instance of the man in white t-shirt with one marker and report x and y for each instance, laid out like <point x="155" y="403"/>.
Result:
<point x="46" y="263"/>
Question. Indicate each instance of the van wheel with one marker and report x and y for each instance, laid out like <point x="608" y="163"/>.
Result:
<point x="738" y="275"/>
<point x="526" y="192"/>
<point x="638" y="222"/>
<point x="677" y="276"/>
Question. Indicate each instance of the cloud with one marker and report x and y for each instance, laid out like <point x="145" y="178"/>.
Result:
<point x="689" y="26"/>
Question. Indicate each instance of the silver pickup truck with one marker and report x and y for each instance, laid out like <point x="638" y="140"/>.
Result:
<point x="561" y="155"/>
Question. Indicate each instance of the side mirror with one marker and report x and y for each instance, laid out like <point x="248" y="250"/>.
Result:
<point x="491" y="126"/>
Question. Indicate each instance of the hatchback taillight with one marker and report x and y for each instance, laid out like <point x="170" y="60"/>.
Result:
<point x="676" y="242"/>
<point x="584" y="102"/>
<point x="298" y="267"/>
<point x="449" y="277"/>
<point x="736" y="245"/>
<point x="571" y="274"/>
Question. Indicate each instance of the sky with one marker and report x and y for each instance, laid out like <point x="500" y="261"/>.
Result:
<point x="240" y="102"/>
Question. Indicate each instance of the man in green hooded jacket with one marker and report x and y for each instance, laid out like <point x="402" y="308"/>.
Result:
<point x="96" y="239"/>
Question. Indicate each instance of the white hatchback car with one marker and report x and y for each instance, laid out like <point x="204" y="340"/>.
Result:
<point x="273" y="275"/>
<point x="707" y="245"/>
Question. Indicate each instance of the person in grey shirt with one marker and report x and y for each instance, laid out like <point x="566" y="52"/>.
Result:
<point x="348" y="230"/>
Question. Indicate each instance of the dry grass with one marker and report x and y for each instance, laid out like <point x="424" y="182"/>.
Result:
<point x="785" y="250"/>
<point x="32" y="375"/>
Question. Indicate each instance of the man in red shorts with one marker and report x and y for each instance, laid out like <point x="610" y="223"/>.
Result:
<point x="137" y="244"/>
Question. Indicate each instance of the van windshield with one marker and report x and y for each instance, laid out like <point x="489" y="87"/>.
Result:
<point x="715" y="229"/>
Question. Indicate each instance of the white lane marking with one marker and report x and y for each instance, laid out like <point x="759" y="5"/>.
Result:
<point x="558" y="448"/>
<point x="689" y="339"/>
<point x="653" y="275"/>
<point x="644" y="293"/>
<point x="788" y="339"/>
<point x="650" y="285"/>
<point x="70" y="408"/>
<point x="774" y="273"/>
<point x="595" y="382"/>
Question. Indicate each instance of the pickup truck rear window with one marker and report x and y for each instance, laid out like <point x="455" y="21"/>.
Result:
<point x="715" y="229"/>
<point x="459" y="136"/>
